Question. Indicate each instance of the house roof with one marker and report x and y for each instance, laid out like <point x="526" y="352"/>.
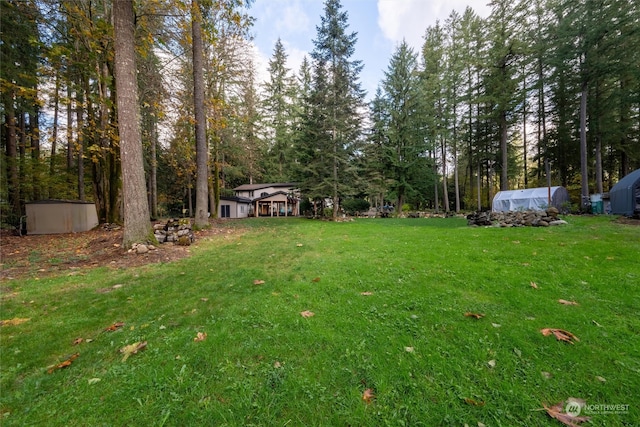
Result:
<point x="236" y="199"/>
<point x="249" y="187"/>
<point x="275" y="194"/>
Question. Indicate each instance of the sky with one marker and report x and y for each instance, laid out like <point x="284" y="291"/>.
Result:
<point x="381" y="25"/>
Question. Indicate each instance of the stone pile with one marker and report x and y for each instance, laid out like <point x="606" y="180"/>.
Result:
<point x="544" y="218"/>
<point x="177" y="231"/>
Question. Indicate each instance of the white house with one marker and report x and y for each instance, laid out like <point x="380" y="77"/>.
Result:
<point x="274" y="199"/>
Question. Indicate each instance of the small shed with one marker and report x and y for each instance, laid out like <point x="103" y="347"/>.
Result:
<point x="625" y="195"/>
<point x="536" y="199"/>
<point x="60" y="216"/>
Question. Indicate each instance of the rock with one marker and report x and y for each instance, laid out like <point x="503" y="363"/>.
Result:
<point x="141" y="249"/>
<point x="151" y="247"/>
<point x="543" y="223"/>
<point x="558" y="222"/>
<point x="184" y="241"/>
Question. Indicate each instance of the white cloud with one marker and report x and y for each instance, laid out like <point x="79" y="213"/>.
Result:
<point x="409" y="19"/>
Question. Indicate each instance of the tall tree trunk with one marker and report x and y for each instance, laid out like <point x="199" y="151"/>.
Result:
<point x="54" y="137"/>
<point x="504" y="175"/>
<point x="584" y="177"/>
<point x="202" y="153"/>
<point x="34" y="133"/>
<point x="80" y="144"/>
<point x="13" y="178"/>
<point x="137" y="227"/>
<point x="445" y="192"/>
<point x="69" y="129"/>
<point x="153" y="173"/>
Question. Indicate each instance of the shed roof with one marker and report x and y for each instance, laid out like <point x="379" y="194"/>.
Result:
<point x="623" y="194"/>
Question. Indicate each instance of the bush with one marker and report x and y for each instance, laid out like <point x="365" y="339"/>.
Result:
<point x="353" y="206"/>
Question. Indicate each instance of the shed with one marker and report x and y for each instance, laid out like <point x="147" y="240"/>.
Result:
<point x="536" y="199"/>
<point x="60" y="216"/>
<point x="625" y="195"/>
<point x="234" y="207"/>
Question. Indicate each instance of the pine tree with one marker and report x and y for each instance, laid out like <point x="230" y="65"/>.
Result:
<point x="336" y="99"/>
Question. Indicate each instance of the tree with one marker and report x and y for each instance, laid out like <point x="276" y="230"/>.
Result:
<point x="404" y="142"/>
<point x="336" y="99"/>
<point x="202" y="152"/>
<point x="137" y="227"/>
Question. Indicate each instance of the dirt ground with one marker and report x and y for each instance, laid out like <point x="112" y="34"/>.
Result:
<point x="42" y="255"/>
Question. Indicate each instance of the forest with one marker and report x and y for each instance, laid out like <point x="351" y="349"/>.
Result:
<point x="541" y="91"/>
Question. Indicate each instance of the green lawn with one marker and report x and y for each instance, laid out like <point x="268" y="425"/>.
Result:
<point x="262" y="363"/>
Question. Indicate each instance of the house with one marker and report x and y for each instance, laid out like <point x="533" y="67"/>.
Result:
<point x="234" y="207"/>
<point x="274" y="199"/>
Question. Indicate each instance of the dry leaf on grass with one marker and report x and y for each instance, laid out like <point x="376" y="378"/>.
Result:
<point x="315" y="279"/>
<point x="258" y="282"/>
<point x="14" y="322"/>
<point x="569" y="419"/>
<point x="474" y="315"/>
<point x="64" y="364"/>
<point x="368" y="396"/>
<point x="565" y="302"/>
<point x="473" y="402"/>
<point x="307" y="314"/>
<point x="78" y="341"/>
<point x="366" y="293"/>
<point x="201" y="336"/>
<point x="114" y="327"/>
<point x="131" y="349"/>
<point x="534" y="285"/>
<point x="560" y="334"/>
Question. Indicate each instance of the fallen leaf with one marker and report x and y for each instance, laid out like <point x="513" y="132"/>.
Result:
<point x="474" y="315"/>
<point x="409" y="349"/>
<point x="204" y="299"/>
<point x="472" y="402"/>
<point x="201" y="336"/>
<point x="491" y="363"/>
<point x="64" y="364"/>
<point x="14" y="322"/>
<point x="569" y="419"/>
<point x="131" y="349"/>
<point x="316" y="279"/>
<point x="597" y="324"/>
<point x="546" y="375"/>
<point x="258" y="282"/>
<point x="533" y="285"/>
<point x="299" y="245"/>
<point x="368" y="396"/>
<point x="601" y="379"/>
<point x="496" y="325"/>
<point x="560" y="334"/>
<point x="307" y="313"/>
<point x="114" y="327"/>
<point x="565" y="302"/>
<point x="366" y="293"/>
<point x="277" y="364"/>
<point x="77" y="341"/>
<point x="93" y="380"/>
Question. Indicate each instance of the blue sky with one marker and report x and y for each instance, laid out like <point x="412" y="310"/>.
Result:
<point x="381" y="25"/>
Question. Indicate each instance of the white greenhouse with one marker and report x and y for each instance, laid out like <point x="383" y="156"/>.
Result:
<point x="536" y="199"/>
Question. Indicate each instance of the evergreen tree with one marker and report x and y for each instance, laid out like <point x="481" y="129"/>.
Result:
<point x="404" y="142"/>
<point x="336" y="97"/>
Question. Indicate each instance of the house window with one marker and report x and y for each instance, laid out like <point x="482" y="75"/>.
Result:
<point x="251" y="194"/>
<point x="242" y="209"/>
<point x="225" y="211"/>
<point x="263" y="194"/>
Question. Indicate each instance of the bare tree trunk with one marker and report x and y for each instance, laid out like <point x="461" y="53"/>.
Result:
<point x="584" y="177"/>
<point x="445" y="192"/>
<point x="34" y="133"/>
<point x="80" y="145"/>
<point x="69" y="129"/>
<point x="504" y="176"/>
<point x="153" y="176"/>
<point x="202" y="153"/>
<point x="54" y="136"/>
<point x="137" y="227"/>
<point x="13" y="179"/>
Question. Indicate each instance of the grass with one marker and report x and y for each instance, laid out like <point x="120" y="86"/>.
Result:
<point x="262" y="363"/>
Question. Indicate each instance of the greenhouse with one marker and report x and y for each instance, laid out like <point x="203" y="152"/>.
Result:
<point x="625" y="195"/>
<point x="536" y="199"/>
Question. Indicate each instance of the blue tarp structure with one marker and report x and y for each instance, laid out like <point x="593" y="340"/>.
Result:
<point x="536" y="199"/>
<point x="625" y="195"/>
